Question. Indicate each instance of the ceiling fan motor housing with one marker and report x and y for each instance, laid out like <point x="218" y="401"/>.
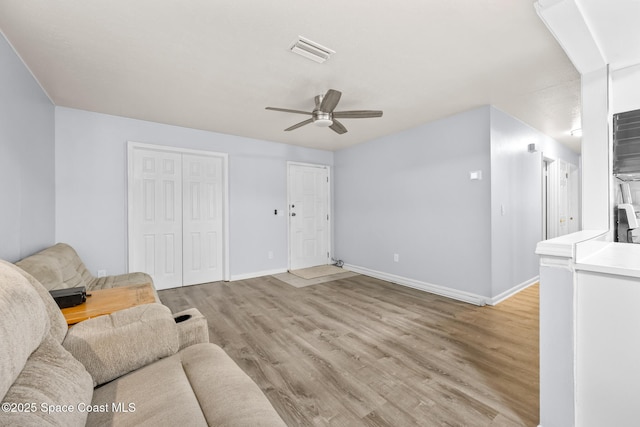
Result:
<point x="322" y="119"/>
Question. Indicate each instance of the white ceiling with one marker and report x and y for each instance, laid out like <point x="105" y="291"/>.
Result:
<point x="215" y="65"/>
<point x="614" y="26"/>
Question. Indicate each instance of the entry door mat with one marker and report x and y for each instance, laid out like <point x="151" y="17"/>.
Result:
<point x="317" y="271"/>
<point x="299" y="282"/>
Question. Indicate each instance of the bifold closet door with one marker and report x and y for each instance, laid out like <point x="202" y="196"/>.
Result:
<point x="202" y="219"/>
<point x="155" y="244"/>
<point x="176" y="217"/>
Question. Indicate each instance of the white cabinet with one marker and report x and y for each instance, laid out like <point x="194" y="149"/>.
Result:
<point x="589" y="340"/>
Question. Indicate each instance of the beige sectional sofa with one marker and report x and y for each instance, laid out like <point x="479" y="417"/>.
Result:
<point x="131" y="368"/>
<point x="59" y="267"/>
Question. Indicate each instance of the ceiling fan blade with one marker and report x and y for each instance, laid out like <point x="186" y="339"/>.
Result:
<point x="286" y="110"/>
<point x="357" y="114"/>
<point x="338" y="127"/>
<point x="296" y="126"/>
<point x="330" y="100"/>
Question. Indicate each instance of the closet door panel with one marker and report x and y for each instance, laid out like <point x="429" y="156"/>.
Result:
<point x="202" y="219"/>
<point x="156" y="216"/>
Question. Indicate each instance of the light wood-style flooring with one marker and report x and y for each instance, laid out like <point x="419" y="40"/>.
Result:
<point x="364" y="352"/>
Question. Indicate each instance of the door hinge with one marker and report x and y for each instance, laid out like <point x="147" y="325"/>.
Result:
<point x="327" y="179"/>
<point x="327" y="254"/>
<point x="327" y="217"/>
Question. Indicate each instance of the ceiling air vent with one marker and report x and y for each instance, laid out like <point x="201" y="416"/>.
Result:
<point x="311" y="50"/>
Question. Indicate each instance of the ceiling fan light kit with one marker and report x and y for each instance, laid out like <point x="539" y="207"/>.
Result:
<point x="322" y="120"/>
<point x="325" y="116"/>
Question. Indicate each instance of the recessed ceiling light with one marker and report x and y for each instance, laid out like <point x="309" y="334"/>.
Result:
<point x="311" y="50"/>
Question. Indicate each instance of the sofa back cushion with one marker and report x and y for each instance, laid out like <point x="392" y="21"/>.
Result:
<point x="36" y="372"/>
<point x="54" y="385"/>
<point x="58" y="324"/>
<point x="23" y="326"/>
<point x="57" y="267"/>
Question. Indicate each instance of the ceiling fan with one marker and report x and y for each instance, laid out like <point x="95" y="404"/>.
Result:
<point x="324" y="116"/>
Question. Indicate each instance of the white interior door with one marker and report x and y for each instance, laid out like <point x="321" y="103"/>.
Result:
<point x="155" y="244"/>
<point x="574" y="199"/>
<point x="545" y="199"/>
<point x="202" y="219"/>
<point x="553" y="220"/>
<point x="563" y="197"/>
<point x="177" y="215"/>
<point x="308" y="216"/>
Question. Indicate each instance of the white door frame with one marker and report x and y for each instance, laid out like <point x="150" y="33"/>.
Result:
<point x="574" y="198"/>
<point x="551" y="201"/>
<point x="546" y="196"/>
<point x="132" y="145"/>
<point x="329" y="207"/>
<point x="553" y="216"/>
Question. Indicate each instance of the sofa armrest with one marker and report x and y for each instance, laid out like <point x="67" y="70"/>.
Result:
<point x="113" y="345"/>
<point x="192" y="327"/>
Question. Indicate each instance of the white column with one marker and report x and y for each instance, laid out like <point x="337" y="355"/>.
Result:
<point x="596" y="151"/>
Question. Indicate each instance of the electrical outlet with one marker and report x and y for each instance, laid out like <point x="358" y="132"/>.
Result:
<point x="270" y="254"/>
<point x="396" y="258"/>
<point x="102" y="273"/>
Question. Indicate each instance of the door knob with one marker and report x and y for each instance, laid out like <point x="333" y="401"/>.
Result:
<point x="293" y="214"/>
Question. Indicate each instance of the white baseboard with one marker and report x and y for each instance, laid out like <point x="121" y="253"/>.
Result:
<point x="510" y="292"/>
<point x="467" y="297"/>
<point x="423" y="286"/>
<point x="245" y="276"/>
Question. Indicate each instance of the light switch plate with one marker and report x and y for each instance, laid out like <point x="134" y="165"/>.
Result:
<point x="475" y="175"/>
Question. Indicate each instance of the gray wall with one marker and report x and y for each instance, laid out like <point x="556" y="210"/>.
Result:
<point x="410" y="194"/>
<point x="516" y="185"/>
<point x="91" y="187"/>
<point x="26" y="160"/>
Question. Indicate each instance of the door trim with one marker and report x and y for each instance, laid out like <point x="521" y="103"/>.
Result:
<point x="546" y="194"/>
<point x="133" y="145"/>
<point x="329" y="208"/>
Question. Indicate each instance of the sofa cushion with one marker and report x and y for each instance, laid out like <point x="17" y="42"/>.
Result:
<point x="56" y="319"/>
<point x="227" y="395"/>
<point x="24" y="324"/>
<point x="129" y="279"/>
<point x="56" y="387"/>
<point x="57" y="267"/>
<point x="113" y="345"/>
<point x="157" y="395"/>
<point x="198" y="386"/>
